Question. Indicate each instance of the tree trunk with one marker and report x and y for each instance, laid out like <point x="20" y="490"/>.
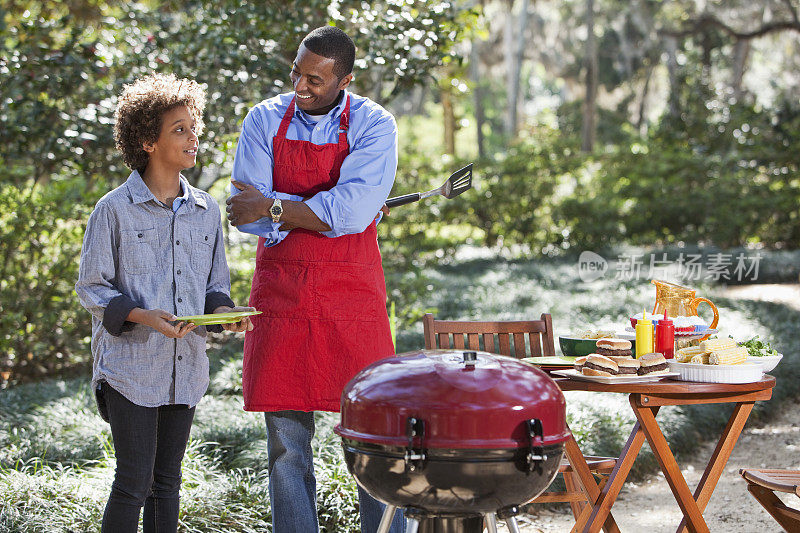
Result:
<point x="671" y="46"/>
<point x="640" y="120"/>
<point x="741" y="52"/>
<point x="449" y="120"/>
<point x="477" y="93"/>
<point x="588" y="132"/>
<point x="515" y="48"/>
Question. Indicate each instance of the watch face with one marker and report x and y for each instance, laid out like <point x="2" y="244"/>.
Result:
<point x="275" y="210"/>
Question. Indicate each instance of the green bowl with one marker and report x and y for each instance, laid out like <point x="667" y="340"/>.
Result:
<point x="574" y="347"/>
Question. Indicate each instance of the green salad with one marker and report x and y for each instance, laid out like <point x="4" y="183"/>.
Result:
<point x="758" y="348"/>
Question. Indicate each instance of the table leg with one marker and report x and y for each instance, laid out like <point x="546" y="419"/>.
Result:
<point x="647" y="418"/>
<point x="599" y="512"/>
<point x="719" y="458"/>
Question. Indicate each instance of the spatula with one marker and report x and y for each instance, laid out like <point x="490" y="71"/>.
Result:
<point x="458" y="182"/>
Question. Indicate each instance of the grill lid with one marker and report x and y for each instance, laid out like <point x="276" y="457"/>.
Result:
<point x="453" y="399"/>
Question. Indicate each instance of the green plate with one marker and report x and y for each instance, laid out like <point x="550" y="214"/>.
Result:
<point x="217" y="318"/>
<point x="564" y="362"/>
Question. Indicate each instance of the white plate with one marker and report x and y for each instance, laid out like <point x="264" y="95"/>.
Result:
<point x="767" y="362"/>
<point x="743" y="373"/>
<point x="613" y="380"/>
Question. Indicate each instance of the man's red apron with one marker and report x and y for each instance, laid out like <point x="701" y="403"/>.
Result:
<point x="323" y="299"/>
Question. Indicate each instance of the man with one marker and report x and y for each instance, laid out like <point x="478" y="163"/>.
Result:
<point x="312" y="168"/>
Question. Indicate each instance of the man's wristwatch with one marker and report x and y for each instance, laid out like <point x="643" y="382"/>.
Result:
<point x="276" y="210"/>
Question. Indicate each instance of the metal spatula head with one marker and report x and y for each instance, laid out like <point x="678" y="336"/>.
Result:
<point x="458" y="182"/>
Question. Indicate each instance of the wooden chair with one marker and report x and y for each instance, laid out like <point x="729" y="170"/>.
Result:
<point x="531" y="338"/>
<point x="762" y="484"/>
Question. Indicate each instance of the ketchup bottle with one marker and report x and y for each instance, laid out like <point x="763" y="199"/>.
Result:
<point x="665" y="337"/>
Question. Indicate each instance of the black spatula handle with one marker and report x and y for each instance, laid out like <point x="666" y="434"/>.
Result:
<point x="402" y="200"/>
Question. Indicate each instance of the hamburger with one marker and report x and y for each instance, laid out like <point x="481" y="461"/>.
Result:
<point x="579" y="362"/>
<point x="611" y="346"/>
<point x="628" y="366"/>
<point x="599" y="365"/>
<point x="653" y="363"/>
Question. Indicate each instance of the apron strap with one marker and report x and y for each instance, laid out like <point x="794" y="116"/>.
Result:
<point x="287" y="118"/>
<point x="344" y="124"/>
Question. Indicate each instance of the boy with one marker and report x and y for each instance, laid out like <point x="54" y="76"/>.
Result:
<point x="153" y="250"/>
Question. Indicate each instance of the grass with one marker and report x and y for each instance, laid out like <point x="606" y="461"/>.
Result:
<point x="56" y="461"/>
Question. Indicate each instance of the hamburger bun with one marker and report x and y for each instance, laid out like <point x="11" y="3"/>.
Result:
<point x="579" y="362"/>
<point x="653" y="363"/>
<point x="627" y="365"/>
<point x="599" y="365"/>
<point x="613" y="343"/>
<point x="614" y="347"/>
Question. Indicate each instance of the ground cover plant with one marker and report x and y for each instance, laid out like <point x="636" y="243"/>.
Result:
<point x="56" y="459"/>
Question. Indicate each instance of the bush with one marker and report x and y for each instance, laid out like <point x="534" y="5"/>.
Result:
<point x="44" y="329"/>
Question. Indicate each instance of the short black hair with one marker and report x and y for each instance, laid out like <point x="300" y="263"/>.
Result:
<point x="333" y="43"/>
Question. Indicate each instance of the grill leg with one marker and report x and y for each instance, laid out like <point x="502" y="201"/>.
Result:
<point x="511" y="522"/>
<point x="412" y="525"/>
<point x="491" y="522"/>
<point x="386" y="518"/>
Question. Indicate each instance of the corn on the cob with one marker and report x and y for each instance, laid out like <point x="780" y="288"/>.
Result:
<point x="729" y="356"/>
<point x="700" y="359"/>
<point x="714" y="345"/>
<point x="684" y="355"/>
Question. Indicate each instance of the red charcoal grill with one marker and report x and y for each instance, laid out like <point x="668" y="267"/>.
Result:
<point x="454" y="438"/>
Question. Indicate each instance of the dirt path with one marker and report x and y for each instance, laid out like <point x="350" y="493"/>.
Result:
<point x="651" y="507"/>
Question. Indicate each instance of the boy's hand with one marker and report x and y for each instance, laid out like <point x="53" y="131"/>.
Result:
<point x="245" y="324"/>
<point x="161" y="321"/>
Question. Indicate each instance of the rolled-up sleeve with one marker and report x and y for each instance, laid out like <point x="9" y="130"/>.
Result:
<point x="252" y="164"/>
<point x="365" y="180"/>
<point x="95" y="287"/>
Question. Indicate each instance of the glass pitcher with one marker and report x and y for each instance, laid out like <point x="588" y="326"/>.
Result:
<point x="678" y="300"/>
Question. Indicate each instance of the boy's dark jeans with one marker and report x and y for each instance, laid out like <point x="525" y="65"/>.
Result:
<point x="149" y="443"/>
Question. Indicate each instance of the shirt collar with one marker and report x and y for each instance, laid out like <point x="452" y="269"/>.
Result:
<point x="333" y="113"/>
<point x="140" y="193"/>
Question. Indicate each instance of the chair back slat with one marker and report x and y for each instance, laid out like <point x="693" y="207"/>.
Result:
<point x="539" y="335"/>
<point x="458" y="341"/>
<point x="488" y="343"/>
<point x="444" y="341"/>
<point x="505" y="343"/>
<point x="473" y="341"/>
<point x="519" y="345"/>
<point x="536" y="350"/>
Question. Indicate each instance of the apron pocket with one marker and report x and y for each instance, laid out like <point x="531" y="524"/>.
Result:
<point x="347" y="291"/>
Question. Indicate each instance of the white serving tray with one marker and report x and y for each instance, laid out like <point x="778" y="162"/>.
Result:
<point x="614" y="380"/>
<point x="743" y="373"/>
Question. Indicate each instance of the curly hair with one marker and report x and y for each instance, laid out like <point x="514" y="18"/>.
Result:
<point x="140" y="110"/>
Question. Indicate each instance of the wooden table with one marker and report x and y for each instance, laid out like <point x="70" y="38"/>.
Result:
<point x="646" y="399"/>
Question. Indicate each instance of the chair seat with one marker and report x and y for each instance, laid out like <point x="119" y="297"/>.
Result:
<point x="780" y="480"/>
<point x="596" y="464"/>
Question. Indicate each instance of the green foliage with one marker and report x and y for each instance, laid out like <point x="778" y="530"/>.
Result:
<point x="44" y="329"/>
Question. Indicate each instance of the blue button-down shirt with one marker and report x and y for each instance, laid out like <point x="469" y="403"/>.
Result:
<point x="138" y="252"/>
<point x="366" y="176"/>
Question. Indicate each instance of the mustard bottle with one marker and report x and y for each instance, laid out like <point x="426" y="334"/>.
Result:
<point x="644" y="336"/>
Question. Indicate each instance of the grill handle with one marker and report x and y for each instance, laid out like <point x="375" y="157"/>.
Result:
<point x="536" y="455"/>
<point x="414" y="457"/>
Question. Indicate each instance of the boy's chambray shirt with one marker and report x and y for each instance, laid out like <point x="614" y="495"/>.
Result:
<point x="138" y="252"/>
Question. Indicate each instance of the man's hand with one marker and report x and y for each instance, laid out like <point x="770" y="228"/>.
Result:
<point x="384" y="210"/>
<point x="161" y="321"/>
<point x="245" y="324"/>
<point x="247" y="206"/>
